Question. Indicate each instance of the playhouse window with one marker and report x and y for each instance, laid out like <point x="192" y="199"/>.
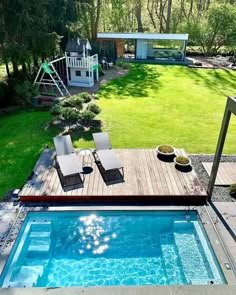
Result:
<point x="87" y="73"/>
<point x="78" y="73"/>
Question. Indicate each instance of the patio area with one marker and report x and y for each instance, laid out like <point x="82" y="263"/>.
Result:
<point x="146" y="179"/>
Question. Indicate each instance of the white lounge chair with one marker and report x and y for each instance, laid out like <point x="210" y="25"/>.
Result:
<point x="105" y="154"/>
<point x="68" y="163"/>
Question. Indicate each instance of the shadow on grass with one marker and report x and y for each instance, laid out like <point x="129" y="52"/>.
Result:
<point x="85" y="135"/>
<point x="135" y="83"/>
<point x="219" y="80"/>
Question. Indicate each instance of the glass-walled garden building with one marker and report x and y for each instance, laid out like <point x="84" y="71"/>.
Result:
<point x="149" y="46"/>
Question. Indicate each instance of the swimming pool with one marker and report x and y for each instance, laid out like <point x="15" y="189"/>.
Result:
<point x="85" y="248"/>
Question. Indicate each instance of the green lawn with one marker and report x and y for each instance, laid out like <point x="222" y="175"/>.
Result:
<point x="23" y="134"/>
<point x="178" y="105"/>
<point x="151" y="105"/>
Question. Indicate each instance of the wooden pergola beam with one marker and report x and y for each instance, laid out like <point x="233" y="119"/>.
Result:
<point x="230" y="108"/>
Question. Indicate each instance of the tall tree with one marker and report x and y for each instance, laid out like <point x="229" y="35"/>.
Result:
<point x="215" y="29"/>
<point x="89" y="13"/>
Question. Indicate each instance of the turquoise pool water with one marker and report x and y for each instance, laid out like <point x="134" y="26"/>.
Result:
<point x="84" y="248"/>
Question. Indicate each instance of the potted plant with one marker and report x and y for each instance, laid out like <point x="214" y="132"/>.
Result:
<point x="182" y="161"/>
<point x="165" y="150"/>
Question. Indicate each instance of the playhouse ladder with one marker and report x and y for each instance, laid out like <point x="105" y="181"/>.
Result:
<point x="58" y="82"/>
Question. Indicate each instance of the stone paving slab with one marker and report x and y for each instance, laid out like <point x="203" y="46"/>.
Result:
<point x="126" y="290"/>
<point x="228" y="212"/>
<point x="8" y="213"/>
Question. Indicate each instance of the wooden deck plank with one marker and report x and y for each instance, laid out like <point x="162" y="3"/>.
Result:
<point x="30" y="185"/>
<point x="188" y="176"/>
<point x="160" y="178"/>
<point x="144" y="175"/>
<point x="151" y="171"/>
<point x="193" y="182"/>
<point x="226" y="174"/>
<point x="146" y="168"/>
<point x="165" y="178"/>
<point x="118" y="187"/>
<point x="43" y="173"/>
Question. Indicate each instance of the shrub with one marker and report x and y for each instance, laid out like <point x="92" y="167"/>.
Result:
<point x="21" y="90"/>
<point x="73" y="111"/>
<point x="70" y="115"/>
<point x="119" y="63"/>
<point x="56" y="110"/>
<point x="87" y="117"/>
<point x="74" y="101"/>
<point x="122" y="64"/>
<point x="85" y="96"/>
<point x="94" y="96"/>
<point x="182" y="160"/>
<point x="125" y="65"/>
<point x="92" y="107"/>
<point x="166" y="149"/>
<point x="232" y="190"/>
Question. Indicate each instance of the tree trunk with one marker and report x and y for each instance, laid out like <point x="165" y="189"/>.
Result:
<point x="168" y="18"/>
<point x="7" y="69"/>
<point x="15" y="68"/>
<point x="35" y="58"/>
<point x="29" y="67"/>
<point x="24" y="70"/>
<point x="97" y="19"/>
<point x="138" y="14"/>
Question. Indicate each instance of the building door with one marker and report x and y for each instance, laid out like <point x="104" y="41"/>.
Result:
<point x="141" y="49"/>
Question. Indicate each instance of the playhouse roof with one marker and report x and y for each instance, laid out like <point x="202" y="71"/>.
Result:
<point x="147" y="36"/>
<point x="73" y="46"/>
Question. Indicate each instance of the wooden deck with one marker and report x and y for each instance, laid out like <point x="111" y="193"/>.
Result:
<point x="146" y="178"/>
<point x="226" y="174"/>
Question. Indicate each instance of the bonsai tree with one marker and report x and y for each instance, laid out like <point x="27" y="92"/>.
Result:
<point x="75" y="110"/>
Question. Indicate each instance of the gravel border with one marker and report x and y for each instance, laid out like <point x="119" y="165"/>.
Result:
<point x="220" y="193"/>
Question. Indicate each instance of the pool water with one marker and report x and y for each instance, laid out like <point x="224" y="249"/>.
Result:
<point x="84" y="248"/>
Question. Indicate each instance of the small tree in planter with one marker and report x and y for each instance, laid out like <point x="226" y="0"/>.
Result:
<point x="165" y="150"/>
<point x="182" y="161"/>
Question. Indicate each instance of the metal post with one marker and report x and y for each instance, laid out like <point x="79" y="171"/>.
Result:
<point x="185" y="48"/>
<point x="67" y="71"/>
<point x="219" y="148"/>
<point x="97" y="74"/>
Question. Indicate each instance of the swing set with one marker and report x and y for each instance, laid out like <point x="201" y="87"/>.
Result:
<point x="50" y="78"/>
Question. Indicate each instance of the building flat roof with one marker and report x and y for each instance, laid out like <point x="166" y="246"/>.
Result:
<point x="147" y="36"/>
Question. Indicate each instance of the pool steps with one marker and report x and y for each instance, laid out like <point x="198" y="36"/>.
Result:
<point x="37" y="248"/>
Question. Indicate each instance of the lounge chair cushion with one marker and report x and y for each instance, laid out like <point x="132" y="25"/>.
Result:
<point x="109" y="160"/>
<point x="69" y="164"/>
<point x="102" y="141"/>
<point x="63" y="145"/>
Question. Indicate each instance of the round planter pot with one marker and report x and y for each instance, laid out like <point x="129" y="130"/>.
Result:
<point x="182" y="165"/>
<point x="165" y="154"/>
